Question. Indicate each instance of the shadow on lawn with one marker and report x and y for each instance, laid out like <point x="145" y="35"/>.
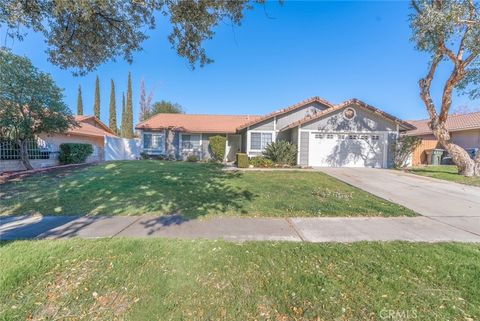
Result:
<point x="127" y="188"/>
<point x="178" y="191"/>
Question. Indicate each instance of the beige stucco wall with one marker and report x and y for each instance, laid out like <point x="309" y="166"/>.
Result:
<point x="467" y="138"/>
<point x="96" y="142"/>
<point x="55" y="141"/>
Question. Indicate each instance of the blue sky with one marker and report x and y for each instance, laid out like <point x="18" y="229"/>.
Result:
<point x="278" y="56"/>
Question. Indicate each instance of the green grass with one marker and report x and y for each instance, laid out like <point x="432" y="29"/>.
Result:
<point x="158" y="188"/>
<point x="159" y="279"/>
<point x="445" y="172"/>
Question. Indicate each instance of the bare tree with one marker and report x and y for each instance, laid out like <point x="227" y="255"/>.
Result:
<point x="450" y="32"/>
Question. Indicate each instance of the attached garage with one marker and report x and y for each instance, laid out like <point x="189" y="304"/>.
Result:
<point x="347" y="149"/>
<point x="352" y="134"/>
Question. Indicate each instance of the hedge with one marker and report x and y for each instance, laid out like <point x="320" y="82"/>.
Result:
<point x="242" y="160"/>
<point x="217" y="146"/>
<point x="74" y="153"/>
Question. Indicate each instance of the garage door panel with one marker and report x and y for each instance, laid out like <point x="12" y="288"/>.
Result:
<point x="346" y="150"/>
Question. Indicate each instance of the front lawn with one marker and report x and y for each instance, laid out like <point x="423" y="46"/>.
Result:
<point x="161" y="279"/>
<point x="192" y="189"/>
<point x="445" y="172"/>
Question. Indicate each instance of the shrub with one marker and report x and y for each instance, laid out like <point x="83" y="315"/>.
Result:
<point x="282" y="152"/>
<point x="217" y="147"/>
<point x="242" y="160"/>
<point x="402" y="148"/>
<point x="261" y="161"/>
<point x="192" y="158"/>
<point x="74" y="153"/>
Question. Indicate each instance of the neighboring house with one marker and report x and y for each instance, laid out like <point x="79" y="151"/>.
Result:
<point x="90" y="131"/>
<point x="464" y="131"/>
<point x="351" y="134"/>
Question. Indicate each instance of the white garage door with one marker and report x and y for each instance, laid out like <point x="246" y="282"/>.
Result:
<point x="346" y="149"/>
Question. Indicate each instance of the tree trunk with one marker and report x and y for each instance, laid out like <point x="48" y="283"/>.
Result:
<point x="466" y="165"/>
<point x="24" y="154"/>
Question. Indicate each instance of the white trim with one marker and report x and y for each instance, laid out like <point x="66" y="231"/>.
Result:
<point x="153" y="151"/>
<point x="275" y="123"/>
<point x="201" y="145"/>
<point x="249" y="139"/>
<point x="299" y="138"/>
<point x="227" y="150"/>
<point x="181" y="149"/>
<point x="385" y="150"/>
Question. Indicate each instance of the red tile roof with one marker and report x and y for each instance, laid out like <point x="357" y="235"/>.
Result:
<point x="347" y="103"/>
<point x="287" y="109"/>
<point x="88" y="129"/>
<point x="454" y="123"/>
<point x="197" y="123"/>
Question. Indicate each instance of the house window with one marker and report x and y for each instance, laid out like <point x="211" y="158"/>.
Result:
<point x="155" y="141"/>
<point x="375" y="137"/>
<point x="319" y="136"/>
<point x="191" y="142"/>
<point x="259" y="141"/>
<point x="329" y="136"/>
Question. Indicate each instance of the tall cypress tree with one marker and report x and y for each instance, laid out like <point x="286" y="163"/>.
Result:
<point x="96" y="106"/>
<point x="122" y="127"/>
<point x="79" y="101"/>
<point x="112" y="121"/>
<point x="129" y="111"/>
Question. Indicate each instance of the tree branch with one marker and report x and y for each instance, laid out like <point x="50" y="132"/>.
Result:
<point x="457" y="75"/>
<point x="425" y="84"/>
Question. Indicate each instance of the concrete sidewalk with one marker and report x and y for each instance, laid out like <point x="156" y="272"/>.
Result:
<point x="414" y="229"/>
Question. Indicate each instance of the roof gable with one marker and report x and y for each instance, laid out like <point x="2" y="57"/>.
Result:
<point x="90" y="126"/>
<point x="288" y="109"/>
<point x="346" y="104"/>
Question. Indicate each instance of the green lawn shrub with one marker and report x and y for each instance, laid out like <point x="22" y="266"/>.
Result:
<point x="74" y="153"/>
<point x="217" y="147"/>
<point x="242" y="160"/>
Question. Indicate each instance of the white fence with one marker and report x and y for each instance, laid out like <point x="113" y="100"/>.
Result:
<point x="121" y="148"/>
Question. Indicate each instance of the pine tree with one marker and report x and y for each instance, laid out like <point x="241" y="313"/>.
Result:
<point x="143" y="102"/>
<point x="112" y="122"/>
<point x="129" y="111"/>
<point x="79" y="101"/>
<point x="96" y="106"/>
<point x="122" y="127"/>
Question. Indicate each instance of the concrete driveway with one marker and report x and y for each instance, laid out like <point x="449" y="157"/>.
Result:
<point x="450" y="203"/>
<point x="426" y="196"/>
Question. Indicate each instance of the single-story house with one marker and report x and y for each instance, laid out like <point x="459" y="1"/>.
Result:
<point x="352" y="133"/>
<point x="464" y="131"/>
<point x="90" y="131"/>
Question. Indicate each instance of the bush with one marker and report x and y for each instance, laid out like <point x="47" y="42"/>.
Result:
<point x="74" y="153"/>
<point x="217" y="147"/>
<point x="192" y="158"/>
<point x="242" y="160"/>
<point x="282" y="152"/>
<point x="402" y="148"/>
<point x="261" y="161"/>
